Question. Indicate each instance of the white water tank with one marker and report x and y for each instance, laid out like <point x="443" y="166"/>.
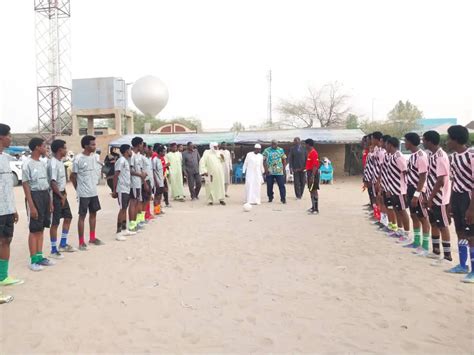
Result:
<point x="150" y="95"/>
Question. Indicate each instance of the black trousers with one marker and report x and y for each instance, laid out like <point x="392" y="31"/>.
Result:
<point x="194" y="184"/>
<point x="280" y="179"/>
<point x="299" y="181"/>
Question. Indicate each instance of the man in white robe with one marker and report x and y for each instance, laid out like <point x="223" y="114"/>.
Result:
<point x="253" y="170"/>
<point x="227" y="166"/>
<point x="210" y="166"/>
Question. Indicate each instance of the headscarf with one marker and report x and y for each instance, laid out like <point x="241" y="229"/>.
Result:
<point x="257" y="146"/>
<point x="326" y="162"/>
<point x="213" y="146"/>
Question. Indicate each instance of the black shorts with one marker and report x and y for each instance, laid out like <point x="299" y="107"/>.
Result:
<point x="60" y="211"/>
<point x="459" y="206"/>
<point x="90" y="204"/>
<point x="159" y="190"/>
<point x="439" y="216"/>
<point x="315" y="185"/>
<point x="387" y="201"/>
<point x="146" y="194"/>
<point x="123" y="200"/>
<point x="136" y="193"/>
<point x="419" y="210"/>
<point x="7" y="225"/>
<point x="399" y="202"/>
<point x="41" y="200"/>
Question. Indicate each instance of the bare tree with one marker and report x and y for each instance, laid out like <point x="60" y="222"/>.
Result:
<point x="324" y="107"/>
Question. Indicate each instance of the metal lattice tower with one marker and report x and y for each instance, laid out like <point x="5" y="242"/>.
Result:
<point x="269" y="107"/>
<point x="53" y="74"/>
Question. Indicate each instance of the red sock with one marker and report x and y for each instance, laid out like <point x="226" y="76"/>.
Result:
<point x="147" y="213"/>
<point x="92" y="237"/>
<point x="81" y="240"/>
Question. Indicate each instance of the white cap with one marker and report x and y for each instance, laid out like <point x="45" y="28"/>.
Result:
<point x="257" y="146"/>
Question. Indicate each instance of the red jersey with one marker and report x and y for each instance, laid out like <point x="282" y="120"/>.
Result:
<point x="163" y="162"/>
<point x="313" y="160"/>
<point x="364" y="157"/>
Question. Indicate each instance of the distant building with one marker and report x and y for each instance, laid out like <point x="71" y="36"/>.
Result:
<point x="173" y="128"/>
<point x="426" y="124"/>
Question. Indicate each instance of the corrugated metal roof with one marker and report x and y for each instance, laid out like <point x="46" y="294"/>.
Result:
<point x="180" y="138"/>
<point x="319" y="135"/>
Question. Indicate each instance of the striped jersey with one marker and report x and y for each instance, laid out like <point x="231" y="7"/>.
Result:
<point x="396" y="174"/>
<point x="439" y="166"/>
<point x="418" y="164"/>
<point x="369" y="168"/>
<point x="383" y="171"/>
<point x="462" y="170"/>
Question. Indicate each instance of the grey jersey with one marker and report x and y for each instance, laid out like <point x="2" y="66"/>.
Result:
<point x="85" y="168"/>
<point x="137" y="165"/>
<point x="7" y="200"/>
<point x="56" y="172"/>
<point x="35" y="173"/>
<point x="158" y="171"/>
<point x="149" y="170"/>
<point x="124" y="179"/>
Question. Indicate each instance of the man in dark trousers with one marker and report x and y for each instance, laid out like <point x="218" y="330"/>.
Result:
<point x="191" y="159"/>
<point x="297" y="161"/>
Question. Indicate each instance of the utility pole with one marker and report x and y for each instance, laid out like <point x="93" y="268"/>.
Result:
<point x="269" y="112"/>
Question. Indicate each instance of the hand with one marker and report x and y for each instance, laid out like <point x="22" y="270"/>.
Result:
<point x="33" y="212"/>
<point x="51" y="207"/>
<point x="414" y="202"/>
<point x="147" y="188"/>
<point x="430" y="203"/>
<point x="389" y="194"/>
<point x="167" y="165"/>
<point x="143" y="175"/>
<point x="63" y="200"/>
<point x="15" y="217"/>
<point x="114" y="195"/>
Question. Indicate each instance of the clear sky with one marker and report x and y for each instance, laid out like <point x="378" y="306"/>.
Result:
<point x="214" y="55"/>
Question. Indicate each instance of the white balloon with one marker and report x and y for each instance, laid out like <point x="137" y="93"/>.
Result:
<point x="150" y="95"/>
<point x="247" y="207"/>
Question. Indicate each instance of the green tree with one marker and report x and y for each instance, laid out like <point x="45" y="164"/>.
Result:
<point x="352" y="121"/>
<point x="237" y="127"/>
<point x="403" y="118"/>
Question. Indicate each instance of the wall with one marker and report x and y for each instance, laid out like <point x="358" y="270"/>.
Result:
<point x="102" y="142"/>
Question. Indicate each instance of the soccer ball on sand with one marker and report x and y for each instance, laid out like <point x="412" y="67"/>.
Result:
<point x="247" y="207"/>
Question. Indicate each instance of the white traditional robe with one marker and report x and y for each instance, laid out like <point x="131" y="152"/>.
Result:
<point x="175" y="178"/>
<point x="211" y="164"/>
<point x="227" y="165"/>
<point x="253" y="168"/>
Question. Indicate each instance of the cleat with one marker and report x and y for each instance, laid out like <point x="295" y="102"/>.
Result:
<point x="10" y="281"/>
<point x="120" y="238"/>
<point x="404" y="239"/>
<point x="46" y="262"/>
<point x="67" y="249"/>
<point x="410" y="245"/>
<point x="96" y="241"/>
<point x="458" y="269"/>
<point x="434" y="256"/>
<point x="442" y="262"/>
<point x="469" y="278"/>
<point x="83" y="247"/>
<point x="56" y="255"/>
<point x="35" y="267"/>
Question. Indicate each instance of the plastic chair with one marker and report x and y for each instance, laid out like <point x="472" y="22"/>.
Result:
<point x="238" y="174"/>
<point x="326" y="174"/>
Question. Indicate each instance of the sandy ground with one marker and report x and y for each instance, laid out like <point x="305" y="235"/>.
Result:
<point x="217" y="279"/>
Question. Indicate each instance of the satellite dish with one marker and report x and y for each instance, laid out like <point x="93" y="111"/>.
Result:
<point x="150" y="95"/>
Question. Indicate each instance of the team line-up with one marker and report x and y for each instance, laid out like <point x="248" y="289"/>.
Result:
<point x="435" y="188"/>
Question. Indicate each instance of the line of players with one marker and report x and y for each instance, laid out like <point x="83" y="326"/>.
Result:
<point x="435" y="188"/>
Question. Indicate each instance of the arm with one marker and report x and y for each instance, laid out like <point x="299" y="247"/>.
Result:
<point x="290" y="160"/>
<point x="116" y="176"/>
<point x="29" y="200"/>
<point x="73" y="179"/>
<point x="202" y="165"/>
<point x="244" y="167"/>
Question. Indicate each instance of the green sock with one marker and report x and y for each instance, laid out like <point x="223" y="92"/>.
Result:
<point x="417" y="234"/>
<point x="3" y="269"/>
<point x="39" y="256"/>
<point x="393" y="226"/>
<point x="426" y="241"/>
<point x="33" y="259"/>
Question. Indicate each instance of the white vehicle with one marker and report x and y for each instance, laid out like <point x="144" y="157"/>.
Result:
<point x="15" y="165"/>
